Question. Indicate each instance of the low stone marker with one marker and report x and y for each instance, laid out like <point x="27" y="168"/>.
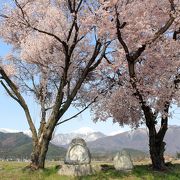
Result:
<point x="77" y="160"/>
<point x="122" y="161"/>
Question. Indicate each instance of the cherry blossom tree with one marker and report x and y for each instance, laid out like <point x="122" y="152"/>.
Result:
<point x="56" y="45"/>
<point x="141" y="81"/>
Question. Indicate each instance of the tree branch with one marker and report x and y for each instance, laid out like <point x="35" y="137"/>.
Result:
<point x="35" y="28"/>
<point x="118" y="27"/>
<point x="3" y="16"/>
<point x="100" y="58"/>
<point x="164" y="122"/>
<point x="50" y="34"/>
<point x="175" y="34"/>
<point x="8" y="91"/>
<point x="21" y="101"/>
<point x="78" y="112"/>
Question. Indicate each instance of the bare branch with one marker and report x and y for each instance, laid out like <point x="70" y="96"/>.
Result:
<point x="78" y="112"/>
<point x="164" y="122"/>
<point x="70" y="6"/>
<point x="162" y="30"/>
<point x="21" y="9"/>
<point x="21" y="101"/>
<point x="79" y="5"/>
<point x="72" y="27"/>
<point x="49" y="108"/>
<point x="9" y="92"/>
<point x="172" y="5"/>
<point x="100" y="58"/>
<point x="175" y="34"/>
<point x="3" y="16"/>
<point x="106" y="58"/>
<point x="50" y="34"/>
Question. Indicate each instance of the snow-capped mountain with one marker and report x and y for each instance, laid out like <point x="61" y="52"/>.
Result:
<point x="98" y="142"/>
<point x="86" y="133"/>
<point x="136" y="139"/>
<point x="84" y="130"/>
<point x="6" y="130"/>
<point x="28" y="133"/>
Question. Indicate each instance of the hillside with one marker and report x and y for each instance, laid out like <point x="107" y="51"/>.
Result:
<point x="104" y="147"/>
<point x="136" y="139"/>
<point x="19" y="145"/>
<point x="108" y="156"/>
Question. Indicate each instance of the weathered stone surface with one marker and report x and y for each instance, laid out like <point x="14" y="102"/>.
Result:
<point x="75" y="170"/>
<point x="77" y="153"/>
<point x="122" y="161"/>
<point x="77" y="160"/>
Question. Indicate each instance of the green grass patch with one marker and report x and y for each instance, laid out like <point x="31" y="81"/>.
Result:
<point x="14" y="171"/>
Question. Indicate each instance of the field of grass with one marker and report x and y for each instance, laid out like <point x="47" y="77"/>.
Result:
<point x="14" y="171"/>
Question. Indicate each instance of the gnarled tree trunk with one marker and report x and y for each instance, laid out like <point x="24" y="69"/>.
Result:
<point x="157" y="148"/>
<point x="39" y="151"/>
<point x="38" y="155"/>
<point x="157" y="144"/>
<point x="156" y="138"/>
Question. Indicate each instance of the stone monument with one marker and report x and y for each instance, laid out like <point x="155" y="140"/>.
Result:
<point x="77" y="160"/>
<point x="122" y="161"/>
<point x="78" y="153"/>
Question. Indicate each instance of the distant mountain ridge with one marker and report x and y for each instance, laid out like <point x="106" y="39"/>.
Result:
<point x="136" y="139"/>
<point x="101" y="143"/>
<point x="64" y="139"/>
<point x="19" y="145"/>
<point x="6" y="130"/>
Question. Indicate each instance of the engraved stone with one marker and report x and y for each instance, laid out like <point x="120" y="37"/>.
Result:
<point x="77" y="160"/>
<point x="78" y="153"/>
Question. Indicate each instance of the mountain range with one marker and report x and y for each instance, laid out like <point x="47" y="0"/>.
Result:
<point x="86" y="133"/>
<point x="134" y="139"/>
<point x="17" y="143"/>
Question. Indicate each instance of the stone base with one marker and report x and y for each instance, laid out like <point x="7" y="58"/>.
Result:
<point x="75" y="170"/>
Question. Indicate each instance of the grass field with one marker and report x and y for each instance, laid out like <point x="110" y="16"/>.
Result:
<point x="14" y="171"/>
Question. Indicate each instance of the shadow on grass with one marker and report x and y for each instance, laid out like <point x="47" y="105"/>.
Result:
<point x="45" y="172"/>
<point x="51" y="171"/>
<point x="139" y="172"/>
<point x="173" y="172"/>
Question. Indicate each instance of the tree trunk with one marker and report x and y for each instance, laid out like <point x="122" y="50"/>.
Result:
<point x="39" y="152"/>
<point x="157" y="147"/>
<point x="156" y="143"/>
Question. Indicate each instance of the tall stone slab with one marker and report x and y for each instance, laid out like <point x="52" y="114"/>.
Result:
<point x="122" y="161"/>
